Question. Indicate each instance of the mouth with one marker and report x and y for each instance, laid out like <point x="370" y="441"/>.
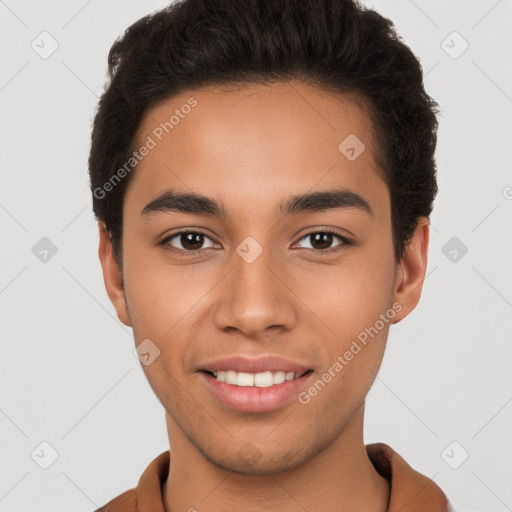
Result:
<point x="260" y="392"/>
<point x="263" y="379"/>
<point x="248" y="384"/>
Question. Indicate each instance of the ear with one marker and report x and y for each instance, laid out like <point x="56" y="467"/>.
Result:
<point x="112" y="276"/>
<point x="411" y="272"/>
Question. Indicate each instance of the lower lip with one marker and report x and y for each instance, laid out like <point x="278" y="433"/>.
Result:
<point x="254" y="399"/>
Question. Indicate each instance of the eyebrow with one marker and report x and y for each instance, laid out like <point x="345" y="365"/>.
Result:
<point x="181" y="202"/>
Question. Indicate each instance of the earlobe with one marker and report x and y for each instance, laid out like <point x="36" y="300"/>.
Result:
<point x="112" y="276"/>
<point x="412" y="268"/>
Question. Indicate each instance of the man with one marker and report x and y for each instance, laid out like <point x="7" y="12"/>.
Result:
<point x="262" y="174"/>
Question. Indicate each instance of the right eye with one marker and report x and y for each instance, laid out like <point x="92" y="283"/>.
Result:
<point x="189" y="242"/>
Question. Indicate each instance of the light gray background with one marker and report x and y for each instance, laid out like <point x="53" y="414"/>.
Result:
<point x="68" y="373"/>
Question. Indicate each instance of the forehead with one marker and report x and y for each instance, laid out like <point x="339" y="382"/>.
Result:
<point x="240" y="143"/>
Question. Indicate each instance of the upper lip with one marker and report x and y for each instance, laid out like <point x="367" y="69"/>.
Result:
<point x="255" y="365"/>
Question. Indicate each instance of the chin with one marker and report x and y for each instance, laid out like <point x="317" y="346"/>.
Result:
<point x="251" y="460"/>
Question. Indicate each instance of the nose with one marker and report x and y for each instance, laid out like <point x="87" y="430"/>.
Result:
<point x="255" y="297"/>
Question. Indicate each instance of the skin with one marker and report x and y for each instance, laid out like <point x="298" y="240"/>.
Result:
<point x="251" y="148"/>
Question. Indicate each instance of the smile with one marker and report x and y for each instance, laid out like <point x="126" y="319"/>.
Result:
<point x="259" y="380"/>
<point x="255" y="392"/>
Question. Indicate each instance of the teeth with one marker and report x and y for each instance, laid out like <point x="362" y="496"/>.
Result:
<point x="245" y="379"/>
<point x="230" y="377"/>
<point x="259" y="380"/>
<point x="279" y="377"/>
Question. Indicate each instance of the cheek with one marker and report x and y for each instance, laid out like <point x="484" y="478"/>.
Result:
<point x="161" y="295"/>
<point x="355" y="303"/>
<point x="353" y="357"/>
<point x="350" y="297"/>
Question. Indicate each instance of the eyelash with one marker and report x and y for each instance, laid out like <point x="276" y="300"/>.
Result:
<point x="345" y="242"/>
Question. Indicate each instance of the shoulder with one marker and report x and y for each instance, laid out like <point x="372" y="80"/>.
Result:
<point x="148" y="493"/>
<point x="126" y="502"/>
<point x="408" y="487"/>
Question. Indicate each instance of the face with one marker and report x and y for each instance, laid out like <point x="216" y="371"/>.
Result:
<point x="251" y="284"/>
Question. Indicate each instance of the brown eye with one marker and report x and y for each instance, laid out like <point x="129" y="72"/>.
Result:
<point x="187" y="241"/>
<point x="191" y="241"/>
<point x="323" y="241"/>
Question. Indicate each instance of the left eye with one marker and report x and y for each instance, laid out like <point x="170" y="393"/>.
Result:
<point x="322" y="240"/>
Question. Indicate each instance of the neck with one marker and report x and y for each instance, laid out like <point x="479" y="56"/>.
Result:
<point x="339" y="478"/>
